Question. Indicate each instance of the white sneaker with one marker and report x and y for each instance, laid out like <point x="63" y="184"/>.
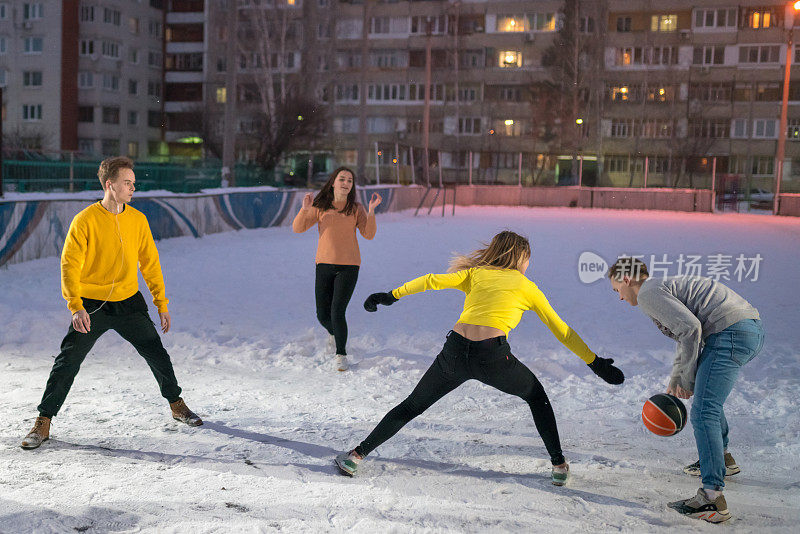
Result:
<point x="341" y="363"/>
<point x="331" y="343"/>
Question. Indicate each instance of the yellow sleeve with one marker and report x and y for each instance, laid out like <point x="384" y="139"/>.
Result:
<point x="150" y="266"/>
<point x="558" y="327"/>
<point x="73" y="257"/>
<point x="457" y="280"/>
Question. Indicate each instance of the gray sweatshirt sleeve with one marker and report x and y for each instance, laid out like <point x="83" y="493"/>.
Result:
<point x="676" y="321"/>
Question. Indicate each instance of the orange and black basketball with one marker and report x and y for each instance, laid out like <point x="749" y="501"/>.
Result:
<point x="664" y="414"/>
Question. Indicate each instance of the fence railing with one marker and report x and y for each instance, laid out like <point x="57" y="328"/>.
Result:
<point x="79" y="175"/>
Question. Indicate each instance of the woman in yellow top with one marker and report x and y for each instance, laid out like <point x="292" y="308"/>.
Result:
<point x="338" y="215"/>
<point x="497" y="293"/>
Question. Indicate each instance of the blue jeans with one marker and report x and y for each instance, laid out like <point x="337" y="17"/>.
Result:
<point x="723" y="355"/>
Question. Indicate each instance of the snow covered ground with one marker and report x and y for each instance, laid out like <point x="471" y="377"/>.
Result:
<point x="252" y="362"/>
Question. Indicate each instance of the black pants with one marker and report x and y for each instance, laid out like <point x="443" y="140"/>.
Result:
<point x="130" y="320"/>
<point x="489" y="361"/>
<point x="334" y="287"/>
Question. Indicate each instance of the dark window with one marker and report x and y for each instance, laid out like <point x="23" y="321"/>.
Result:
<point x="623" y="24"/>
<point x="178" y="6"/>
<point x="179" y="33"/>
<point x="184" y="92"/>
<point x="85" y="113"/>
<point x="154" y="119"/>
<point x="111" y="115"/>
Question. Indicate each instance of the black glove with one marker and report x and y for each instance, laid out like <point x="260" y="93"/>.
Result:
<point x="371" y="304"/>
<point x="602" y="367"/>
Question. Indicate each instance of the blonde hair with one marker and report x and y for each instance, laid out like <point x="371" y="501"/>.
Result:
<point x="507" y="250"/>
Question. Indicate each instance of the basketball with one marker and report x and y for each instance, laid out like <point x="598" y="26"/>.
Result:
<point x="664" y="414"/>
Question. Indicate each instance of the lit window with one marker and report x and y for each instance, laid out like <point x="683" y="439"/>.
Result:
<point x="620" y="93"/>
<point x="664" y="23"/>
<point x="760" y="18"/>
<point x="793" y="132"/>
<point x="510" y="58"/>
<point x="221" y="95"/>
<point x="511" y="23"/>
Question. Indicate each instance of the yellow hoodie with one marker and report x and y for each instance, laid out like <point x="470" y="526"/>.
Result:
<point x="101" y="254"/>
<point x="497" y="298"/>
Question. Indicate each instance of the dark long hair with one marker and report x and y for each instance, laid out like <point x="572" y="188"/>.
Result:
<point x="324" y="199"/>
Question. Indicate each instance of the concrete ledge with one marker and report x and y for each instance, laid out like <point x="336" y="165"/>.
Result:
<point x="789" y="204"/>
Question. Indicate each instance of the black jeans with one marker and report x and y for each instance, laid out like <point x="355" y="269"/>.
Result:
<point x="130" y="320"/>
<point x="333" y="288"/>
<point x="489" y="361"/>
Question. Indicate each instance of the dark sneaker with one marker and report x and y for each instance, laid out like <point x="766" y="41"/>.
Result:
<point x="347" y="462"/>
<point x="701" y="507"/>
<point x="730" y="467"/>
<point x="560" y="475"/>
<point x="38" y="434"/>
<point x="182" y="413"/>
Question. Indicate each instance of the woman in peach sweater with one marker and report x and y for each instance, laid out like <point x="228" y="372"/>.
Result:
<point x="337" y="214"/>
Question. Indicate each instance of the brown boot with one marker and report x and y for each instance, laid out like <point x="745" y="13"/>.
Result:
<point x="182" y="413"/>
<point x="38" y="434"/>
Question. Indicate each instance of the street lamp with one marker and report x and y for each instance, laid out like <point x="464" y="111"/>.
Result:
<point x="780" y="153"/>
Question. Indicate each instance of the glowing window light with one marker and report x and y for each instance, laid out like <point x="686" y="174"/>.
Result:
<point x="191" y="140"/>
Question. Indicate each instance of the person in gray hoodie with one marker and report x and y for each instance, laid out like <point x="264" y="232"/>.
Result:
<point x="717" y="333"/>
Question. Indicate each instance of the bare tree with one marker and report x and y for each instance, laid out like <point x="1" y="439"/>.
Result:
<point x="205" y="122"/>
<point x="697" y="141"/>
<point x="284" y="113"/>
<point x="575" y="67"/>
<point x="20" y="143"/>
<point x="545" y="125"/>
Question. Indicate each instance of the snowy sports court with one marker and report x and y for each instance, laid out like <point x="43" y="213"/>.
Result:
<point x="253" y="363"/>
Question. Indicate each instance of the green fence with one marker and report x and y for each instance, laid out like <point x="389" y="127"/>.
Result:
<point x="38" y="176"/>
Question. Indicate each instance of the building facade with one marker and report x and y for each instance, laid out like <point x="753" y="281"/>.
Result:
<point x="602" y="92"/>
<point x="83" y="76"/>
<point x="665" y="92"/>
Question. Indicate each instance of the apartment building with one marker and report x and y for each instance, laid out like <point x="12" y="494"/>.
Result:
<point x="668" y="89"/>
<point x="83" y="76"/>
<point x="701" y="82"/>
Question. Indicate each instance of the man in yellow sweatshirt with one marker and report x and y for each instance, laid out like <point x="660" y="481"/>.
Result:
<point x="105" y="245"/>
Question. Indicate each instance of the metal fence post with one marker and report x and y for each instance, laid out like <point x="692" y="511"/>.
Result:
<point x="377" y="164"/>
<point x="71" y="171"/>
<point x="397" y="161"/>
<point x="413" y="172"/>
<point x="714" y="184"/>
